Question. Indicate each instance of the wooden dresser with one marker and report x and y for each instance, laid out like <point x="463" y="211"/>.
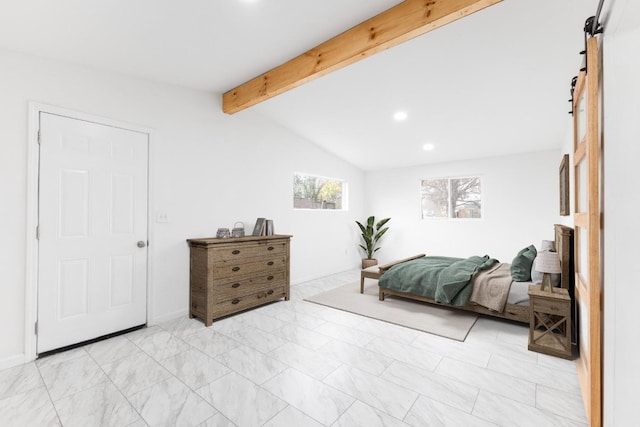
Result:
<point x="231" y="275"/>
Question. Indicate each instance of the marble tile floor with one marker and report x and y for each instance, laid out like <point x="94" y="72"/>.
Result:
<point x="294" y="364"/>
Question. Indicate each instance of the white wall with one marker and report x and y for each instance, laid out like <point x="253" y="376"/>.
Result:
<point x="621" y="218"/>
<point x="520" y="206"/>
<point x="208" y="171"/>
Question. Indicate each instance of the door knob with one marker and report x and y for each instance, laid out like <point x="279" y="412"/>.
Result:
<point x="141" y="244"/>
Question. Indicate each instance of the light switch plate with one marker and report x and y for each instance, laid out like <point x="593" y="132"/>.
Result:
<point x="162" y="217"/>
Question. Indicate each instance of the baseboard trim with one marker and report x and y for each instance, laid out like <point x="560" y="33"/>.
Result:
<point x="169" y="316"/>
<point x="11" y="361"/>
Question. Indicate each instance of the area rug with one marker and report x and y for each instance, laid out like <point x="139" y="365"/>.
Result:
<point x="443" y="321"/>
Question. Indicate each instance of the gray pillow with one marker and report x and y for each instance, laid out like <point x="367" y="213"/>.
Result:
<point x="521" y="264"/>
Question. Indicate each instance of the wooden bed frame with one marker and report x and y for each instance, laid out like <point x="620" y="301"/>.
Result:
<point x="515" y="312"/>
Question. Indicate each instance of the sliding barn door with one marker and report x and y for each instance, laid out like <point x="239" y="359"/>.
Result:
<point x="587" y="197"/>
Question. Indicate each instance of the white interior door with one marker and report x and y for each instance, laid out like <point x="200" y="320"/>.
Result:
<point x="92" y="260"/>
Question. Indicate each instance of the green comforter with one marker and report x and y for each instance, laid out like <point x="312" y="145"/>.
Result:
<point x="444" y="279"/>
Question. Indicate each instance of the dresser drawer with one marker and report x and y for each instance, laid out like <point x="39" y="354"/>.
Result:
<point x="242" y="252"/>
<point x="551" y="307"/>
<point x="238" y="303"/>
<point x="248" y="284"/>
<point x="237" y="268"/>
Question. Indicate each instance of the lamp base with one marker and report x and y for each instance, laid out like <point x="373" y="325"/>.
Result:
<point x="546" y="282"/>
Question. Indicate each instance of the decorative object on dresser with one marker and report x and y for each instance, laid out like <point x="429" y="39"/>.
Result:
<point x="550" y="321"/>
<point x="233" y="274"/>
<point x="259" y="227"/>
<point x="238" y="229"/>
<point x="263" y="227"/>
<point x="222" y="233"/>
<point x="371" y="233"/>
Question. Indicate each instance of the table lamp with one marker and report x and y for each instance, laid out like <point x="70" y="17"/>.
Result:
<point x="547" y="263"/>
<point x="547" y="245"/>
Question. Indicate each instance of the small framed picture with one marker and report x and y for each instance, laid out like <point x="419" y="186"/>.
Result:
<point x="564" y="186"/>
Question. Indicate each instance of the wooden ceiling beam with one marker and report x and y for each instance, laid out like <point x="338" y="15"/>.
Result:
<point x="396" y="25"/>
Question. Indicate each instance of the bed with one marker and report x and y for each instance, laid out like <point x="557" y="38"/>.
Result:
<point x="517" y="301"/>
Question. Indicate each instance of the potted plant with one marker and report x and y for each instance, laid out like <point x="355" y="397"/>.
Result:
<point x="371" y="233"/>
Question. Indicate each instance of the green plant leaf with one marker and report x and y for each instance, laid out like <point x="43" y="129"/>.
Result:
<point x="370" y="221"/>
<point x="382" y="222"/>
<point x="380" y="234"/>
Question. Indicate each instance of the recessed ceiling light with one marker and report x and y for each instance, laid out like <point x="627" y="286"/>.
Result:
<point x="428" y="147"/>
<point x="400" y="116"/>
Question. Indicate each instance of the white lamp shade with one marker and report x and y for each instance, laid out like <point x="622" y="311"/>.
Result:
<point x="548" y="245"/>
<point x="548" y="262"/>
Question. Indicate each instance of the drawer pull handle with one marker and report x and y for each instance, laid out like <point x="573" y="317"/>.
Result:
<point x="236" y="252"/>
<point x="269" y="277"/>
<point x="270" y="263"/>
<point x="235" y="269"/>
<point x="270" y="292"/>
<point x="235" y="285"/>
<point x="270" y="248"/>
<point x="235" y="301"/>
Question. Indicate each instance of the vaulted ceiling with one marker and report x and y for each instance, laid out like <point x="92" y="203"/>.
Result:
<point x="493" y="83"/>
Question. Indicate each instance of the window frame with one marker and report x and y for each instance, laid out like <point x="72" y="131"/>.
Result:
<point x="450" y="210"/>
<point x="344" y="193"/>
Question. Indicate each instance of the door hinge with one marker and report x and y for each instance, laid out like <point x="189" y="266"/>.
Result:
<point x="36" y="328"/>
<point x="38" y="136"/>
<point x="37" y="232"/>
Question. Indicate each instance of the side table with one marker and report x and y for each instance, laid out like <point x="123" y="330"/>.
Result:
<point x="550" y="322"/>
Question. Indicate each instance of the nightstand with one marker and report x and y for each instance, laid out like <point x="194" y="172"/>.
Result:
<point x="550" y="322"/>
